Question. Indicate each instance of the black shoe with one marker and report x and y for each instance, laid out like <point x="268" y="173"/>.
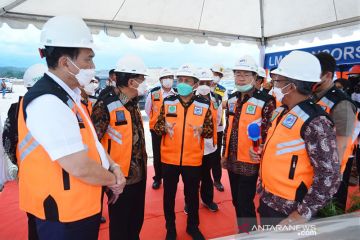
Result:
<point x="219" y="186"/>
<point x="195" y="233"/>
<point x="156" y="184"/>
<point x="102" y="220"/>
<point x="170" y="235"/>
<point x="213" y="207"/>
<point x="186" y="209"/>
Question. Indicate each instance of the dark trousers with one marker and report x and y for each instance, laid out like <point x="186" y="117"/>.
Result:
<point x="156" y="141"/>
<point x="206" y="186"/>
<point x="269" y="216"/>
<point x="191" y="179"/>
<point x="216" y="166"/>
<point x="340" y="196"/>
<point x="243" y="190"/>
<point x="127" y="214"/>
<point x="32" y="232"/>
<point x="86" y="229"/>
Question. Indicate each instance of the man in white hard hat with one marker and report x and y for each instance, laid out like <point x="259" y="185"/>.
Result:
<point x="10" y="134"/>
<point x="184" y="122"/>
<point x="245" y="106"/>
<point x="299" y="163"/>
<point x="153" y="104"/>
<point x="62" y="165"/>
<point x="343" y="112"/>
<point x="118" y="123"/>
<point x="220" y="93"/>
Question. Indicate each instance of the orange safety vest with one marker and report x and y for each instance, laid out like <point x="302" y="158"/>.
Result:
<point x="285" y="168"/>
<point x="156" y="103"/>
<point x="183" y="148"/>
<point x="251" y="112"/>
<point x="214" y="105"/>
<point x="328" y="102"/>
<point x="45" y="189"/>
<point x="119" y="135"/>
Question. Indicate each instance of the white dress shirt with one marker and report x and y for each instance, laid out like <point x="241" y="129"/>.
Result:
<point x="53" y="124"/>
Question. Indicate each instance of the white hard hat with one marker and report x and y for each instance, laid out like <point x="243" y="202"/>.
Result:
<point x="246" y="63"/>
<point x="131" y="64"/>
<point x="261" y="72"/>
<point x="33" y="74"/>
<point x="187" y="70"/>
<point x="66" y="31"/>
<point x="300" y="65"/>
<point x="218" y="68"/>
<point x="205" y="75"/>
<point x="166" y="72"/>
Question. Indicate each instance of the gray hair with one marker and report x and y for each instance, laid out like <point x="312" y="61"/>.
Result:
<point x="302" y="87"/>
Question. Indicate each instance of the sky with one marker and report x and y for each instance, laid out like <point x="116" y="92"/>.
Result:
<point x="19" y="48"/>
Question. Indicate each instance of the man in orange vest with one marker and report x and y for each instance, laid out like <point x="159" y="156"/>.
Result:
<point x="62" y="165"/>
<point x="245" y="106"/>
<point x="343" y="113"/>
<point x="153" y="104"/>
<point x="300" y="169"/>
<point x="117" y="120"/>
<point x="184" y="121"/>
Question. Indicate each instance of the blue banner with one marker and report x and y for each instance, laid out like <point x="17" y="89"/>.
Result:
<point x="344" y="53"/>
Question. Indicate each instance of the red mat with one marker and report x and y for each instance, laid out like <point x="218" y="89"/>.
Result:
<point x="222" y="223"/>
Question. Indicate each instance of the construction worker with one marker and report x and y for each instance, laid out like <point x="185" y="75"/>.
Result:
<point x="88" y="97"/>
<point x="184" y="121"/>
<point x="245" y="106"/>
<point x="299" y="164"/>
<point x="210" y="152"/>
<point x="10" y="135"/>
<point x="220" y="93"/>
<point x="342" y="111"/>
<point x="62" y="166"/>
<point x="117" y="120"/>
<point x="260" y="81"/>
<point x="153" y="104"/>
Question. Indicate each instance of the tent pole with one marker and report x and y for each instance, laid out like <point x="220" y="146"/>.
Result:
<point x="262" y="40"/>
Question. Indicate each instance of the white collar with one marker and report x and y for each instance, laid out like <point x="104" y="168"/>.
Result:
<point x="169" y="92"/>
<point x="75" y="94"/>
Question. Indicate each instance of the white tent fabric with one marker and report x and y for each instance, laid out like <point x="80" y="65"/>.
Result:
<point x="214" y="21"/>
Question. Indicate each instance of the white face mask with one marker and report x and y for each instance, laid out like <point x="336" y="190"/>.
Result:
<point x="203" y="90"/>
<point x="113" y="83"/>
<point x="90" y="88"/>
<point x="167" y="82"/>
<point x="355" y="97"/>
<point x="278" y="93"/>
<point x="142" y="88"/>
<point x="84" y="76"/>
<point x="216" y="79"/>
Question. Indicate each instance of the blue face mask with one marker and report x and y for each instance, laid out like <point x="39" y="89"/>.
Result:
<point x="184" y="89"/>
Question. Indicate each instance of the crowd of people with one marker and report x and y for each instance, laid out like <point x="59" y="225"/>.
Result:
<point x="289" y="136"/>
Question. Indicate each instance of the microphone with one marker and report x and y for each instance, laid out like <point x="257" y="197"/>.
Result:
<point x="253" y="132"/>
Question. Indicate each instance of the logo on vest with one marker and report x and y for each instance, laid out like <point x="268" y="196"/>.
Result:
<point x="198" y="111"/>
<point x="250" y="109"/>
<point x="289" y="121"/>
<point x="157" y="96"/>
<point x="120" y="116"/>
<point x="172" y="109"/>
<point x="232" y="107"/>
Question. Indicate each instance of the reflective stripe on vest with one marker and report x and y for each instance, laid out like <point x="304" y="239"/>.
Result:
<point x="285" y="153"/>
<point x="183" y="148"/>
<point x="250" y="113"/>
<point x="45" y="189"/>
<point x="117" y="140"/>
<point x="156" y="103"/>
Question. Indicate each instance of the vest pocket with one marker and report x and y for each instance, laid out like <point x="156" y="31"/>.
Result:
<point x="51" y="209"/>
<point x="301" y="191"/>
<point x="109" y="146"/>
<point x="66" y="180"/>
<point x="293" y="164"/>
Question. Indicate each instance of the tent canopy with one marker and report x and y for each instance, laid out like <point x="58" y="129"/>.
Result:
<point x="216" y="21"/>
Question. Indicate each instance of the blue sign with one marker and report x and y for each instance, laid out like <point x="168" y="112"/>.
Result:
<point x="344" y="53"/>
